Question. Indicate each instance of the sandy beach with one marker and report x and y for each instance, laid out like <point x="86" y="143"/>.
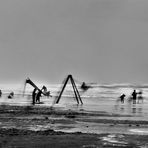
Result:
<point x="34" y="126"/>
<point x="101" y="121"/>
<point x="74" y="74"/>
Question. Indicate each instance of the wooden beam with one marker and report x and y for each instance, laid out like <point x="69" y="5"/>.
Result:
<point x="57" y="101"/>
<point x="77" y="91"/>
<point x="32" y="84"/>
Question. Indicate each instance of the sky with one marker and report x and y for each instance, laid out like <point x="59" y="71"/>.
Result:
<point x="103" y="41"/>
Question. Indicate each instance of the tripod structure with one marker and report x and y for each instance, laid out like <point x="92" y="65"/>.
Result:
<point x="76" y="92"/>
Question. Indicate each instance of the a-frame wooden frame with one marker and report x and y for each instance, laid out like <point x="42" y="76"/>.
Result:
<point x="76" y="92"/>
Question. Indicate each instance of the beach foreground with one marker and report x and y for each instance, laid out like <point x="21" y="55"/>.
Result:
<point x="32" y="126"/>
<point x="49" y="138"/>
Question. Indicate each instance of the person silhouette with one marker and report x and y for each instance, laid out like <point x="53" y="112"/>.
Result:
<point x="122" y="97"/>
<point x="38" y="95"/>
<point x="140" y="97"/>
<point x="11" y="95"/>
<point x="84" y="86"/>
<point x="34" y="96"/>
<point x="134" y="96"/>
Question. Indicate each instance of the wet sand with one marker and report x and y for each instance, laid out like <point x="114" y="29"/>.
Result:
<point x="49" y="138"/>
<point x="34" y="126"/>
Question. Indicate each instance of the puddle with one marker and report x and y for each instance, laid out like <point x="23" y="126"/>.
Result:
<point x="39" y="127"/>
<point x="141" y="131"/>
<point x="114" y="139"/>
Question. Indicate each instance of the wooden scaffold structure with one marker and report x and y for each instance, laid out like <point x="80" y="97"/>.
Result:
<point x="76" y="92"/>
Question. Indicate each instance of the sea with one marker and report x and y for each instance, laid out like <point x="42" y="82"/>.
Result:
<point x="99" y="97"/>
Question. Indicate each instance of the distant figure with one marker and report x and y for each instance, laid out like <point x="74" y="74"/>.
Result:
<point x="130" y="99"/>
<point x="48" y="94"/>
<point x="0" y="93"/>
<point x="140" y="97"/>
<point x="44" y="88"/>
<point x="122" y="97"/>
<point x="34" y="96"/>
<point x="84" y="86"/>
<point x="134" y="96"/>
<point x="11" y="95"/>
<point x="38" y="95"/>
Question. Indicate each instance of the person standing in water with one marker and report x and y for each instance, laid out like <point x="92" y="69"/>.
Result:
<point x="34" y="96"/>
<point x="11" y="95"/>
<point x="134" y="96"/>
<point x="140" y="97"/>
<point x="122" y="97"/>
<point x="38" y="96"/>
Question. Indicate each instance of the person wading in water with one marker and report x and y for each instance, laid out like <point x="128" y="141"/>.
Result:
<point x="134" y="94"/>
<point x="34" y="96"/>
<point x="38" y="95"/>
<point x="122" y="97"/>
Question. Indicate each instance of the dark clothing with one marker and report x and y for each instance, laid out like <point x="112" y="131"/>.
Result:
<point x="122" y="98"/>
<point x="84" y="86"/>
<point x="38" y="96"/>
<point x="11" y="95"/>
<point x="134" y="94"/>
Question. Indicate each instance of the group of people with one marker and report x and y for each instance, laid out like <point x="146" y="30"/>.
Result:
<point x="37" y="93"/>
<point x="10" y="96"/>
<point x="133" y="97"/>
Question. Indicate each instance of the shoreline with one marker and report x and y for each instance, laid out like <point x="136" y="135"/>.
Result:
<point x="33" y="126"/>
<point x="47" y="113"/>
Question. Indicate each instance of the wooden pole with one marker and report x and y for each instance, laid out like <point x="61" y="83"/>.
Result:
<point x="57" y="101"/>
<point x="77" y="90"/>
<point x="24" y="89"/>
<point x="74" y="90"/>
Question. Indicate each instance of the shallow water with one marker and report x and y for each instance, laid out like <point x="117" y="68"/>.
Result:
<point x="93" y="104"/>
<point x="97" y="99"/>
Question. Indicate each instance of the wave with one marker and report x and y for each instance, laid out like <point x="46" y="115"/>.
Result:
<point x="120" y="85"/>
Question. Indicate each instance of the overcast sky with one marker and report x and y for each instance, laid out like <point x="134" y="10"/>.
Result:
<point x="104" y="41"/>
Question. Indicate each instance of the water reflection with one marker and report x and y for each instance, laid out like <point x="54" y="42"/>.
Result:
<point x="140" y="110"/>
<point x="128" y="108"/>
<point x="134" y="110"/>
<point x="122" y="108"/>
